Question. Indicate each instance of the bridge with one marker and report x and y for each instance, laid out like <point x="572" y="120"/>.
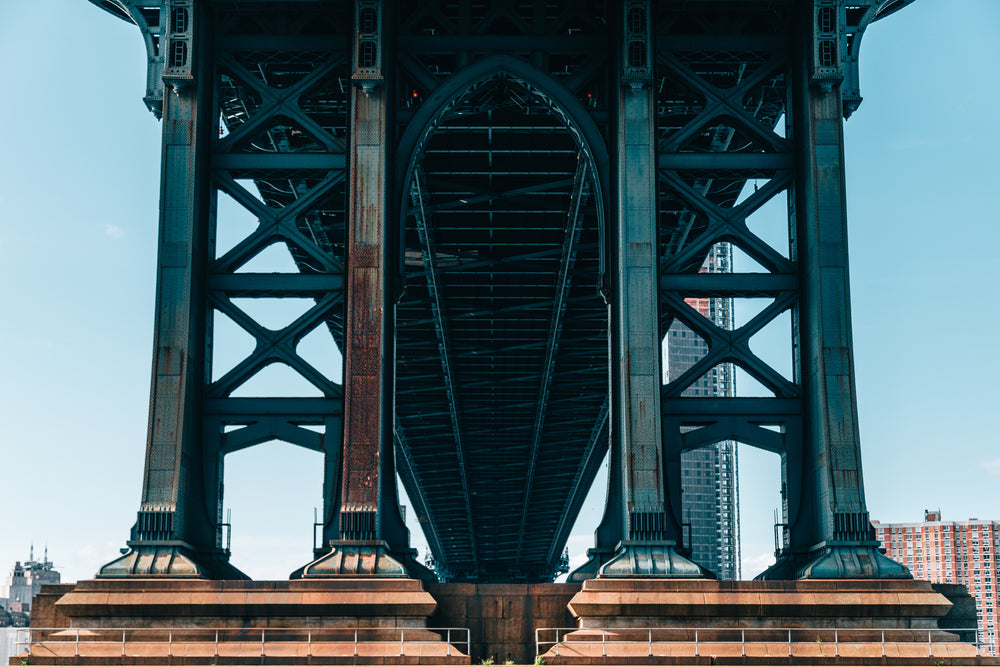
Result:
<point x="497" y="210"/>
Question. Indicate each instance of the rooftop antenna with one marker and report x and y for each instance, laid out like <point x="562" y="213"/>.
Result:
<point x="31" y="552"/>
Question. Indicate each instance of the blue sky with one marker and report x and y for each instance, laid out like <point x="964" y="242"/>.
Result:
<point x="79" y="178"/>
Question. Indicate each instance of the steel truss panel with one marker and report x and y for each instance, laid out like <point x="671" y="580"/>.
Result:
<point x="267" y="133"/>
<point x="735" y="110"/>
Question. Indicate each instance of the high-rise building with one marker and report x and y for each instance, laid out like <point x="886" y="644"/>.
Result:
<point x="709" y="494"/>
<point x="24" y="581"/>
<point x="952" y="552"/>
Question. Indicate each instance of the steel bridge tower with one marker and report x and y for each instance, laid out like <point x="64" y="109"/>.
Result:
<point x="497" y="210"/>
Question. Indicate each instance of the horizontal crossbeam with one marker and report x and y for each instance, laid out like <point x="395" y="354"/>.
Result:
<point x="302" y="410"/>
<point x="746" y="285"/>
<point x="761" y="162"/>
<point x="246" y="162"/>
<point x="257" y="285"/>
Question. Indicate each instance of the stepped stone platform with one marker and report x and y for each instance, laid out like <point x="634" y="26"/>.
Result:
<point x="808" y="622"/>
<point x="192" y="622"/>
<point x="830" y="603"/>
<point x="497" y="621"/>
<point x="389" y="602"/>
<point x="617" y="622"/>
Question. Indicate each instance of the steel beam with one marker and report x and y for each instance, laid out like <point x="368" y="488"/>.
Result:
<point x="564" y="279"/>
<point x="431" y="274"/>
<point x="751" y="162"/>
<point x="747" y="285"/>
<point x="579" y="43"/>
<point x="279" y="161"/>
<point x="299" y="410"/>
<point x="254" y="285"/>
<point x="652" y="530"/>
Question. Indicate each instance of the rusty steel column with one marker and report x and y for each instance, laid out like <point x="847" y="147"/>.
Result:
<point x="176" y="531"/>
<point x="652" y="534"/>
<point x="366" y="469"/>
<point x="830" y="535"/>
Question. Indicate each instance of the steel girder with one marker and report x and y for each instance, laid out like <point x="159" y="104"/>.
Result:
<point x="429" y="255"/>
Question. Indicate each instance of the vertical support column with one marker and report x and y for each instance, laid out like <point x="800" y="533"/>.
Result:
<point x="830" y="535"/>
<point x="651" y="530"/>
<point x="365" y="363"/>
<point x="367" y="451"/>
<point x="177" y="529"/>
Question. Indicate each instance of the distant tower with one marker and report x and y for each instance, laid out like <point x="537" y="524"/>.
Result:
<point x="40" y="573"/>
<point x="709" y="493"/>
<point x="15" y="590"/>
<point x="24" y="581"/>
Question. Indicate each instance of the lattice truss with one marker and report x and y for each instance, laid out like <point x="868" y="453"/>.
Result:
<point x="282" y="94"/>
<point x="721" y="99"/>
<point x="502" y="342"/>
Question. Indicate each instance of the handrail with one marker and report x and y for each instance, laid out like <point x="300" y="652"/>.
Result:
<point x="698" y="638"/>
<point x="86" y="638"/>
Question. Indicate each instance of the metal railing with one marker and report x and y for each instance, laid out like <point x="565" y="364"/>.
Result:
<point x="766" y="642"/>
<point x="216" y="642"/>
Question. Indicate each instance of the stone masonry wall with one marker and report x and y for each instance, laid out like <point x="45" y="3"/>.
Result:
<point x="502" y="617"/>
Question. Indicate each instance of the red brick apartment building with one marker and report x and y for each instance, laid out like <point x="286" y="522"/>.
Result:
<point x="952" y="552"/>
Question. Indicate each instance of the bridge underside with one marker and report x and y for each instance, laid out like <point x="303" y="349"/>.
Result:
<point x="501" y="337"/>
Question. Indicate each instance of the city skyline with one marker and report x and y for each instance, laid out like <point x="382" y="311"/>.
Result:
<point x="78" y="206"/>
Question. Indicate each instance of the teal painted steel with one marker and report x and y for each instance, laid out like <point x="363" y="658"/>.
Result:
<point x="506" y="206"/>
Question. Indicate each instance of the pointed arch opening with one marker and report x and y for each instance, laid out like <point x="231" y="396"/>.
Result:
<point x="501" y="332"/>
